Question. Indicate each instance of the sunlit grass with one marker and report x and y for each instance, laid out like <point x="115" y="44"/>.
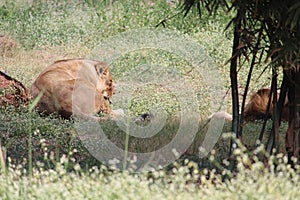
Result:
<point x="184" y="180"/>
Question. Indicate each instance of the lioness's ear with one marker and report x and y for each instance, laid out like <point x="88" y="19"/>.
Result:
<point x="101" y="68"/>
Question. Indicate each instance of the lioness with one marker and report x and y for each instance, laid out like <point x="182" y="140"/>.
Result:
<point x="257" y="106"/>
<point x="75" y="86"/>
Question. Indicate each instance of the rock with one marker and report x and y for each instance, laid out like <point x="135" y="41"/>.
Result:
<point x="12" y="92"/>
<point x="8" y="46"/>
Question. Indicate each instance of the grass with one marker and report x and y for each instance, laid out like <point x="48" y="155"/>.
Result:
<point x="253" y="180"/>
<point x="45" y="159"/>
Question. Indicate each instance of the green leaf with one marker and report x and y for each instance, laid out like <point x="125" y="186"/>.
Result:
<point x="36" y="100"/>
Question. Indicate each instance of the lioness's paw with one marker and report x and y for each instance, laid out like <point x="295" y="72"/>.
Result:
<point x="221" y="114"/>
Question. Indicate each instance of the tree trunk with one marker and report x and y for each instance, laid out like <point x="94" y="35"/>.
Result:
<point x="234" y="85"/>
<point x="292" y="136"/>
<point x="297" y="116"/>
<point x="274" y="136"/>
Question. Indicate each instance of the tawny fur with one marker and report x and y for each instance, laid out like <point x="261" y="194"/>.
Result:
<point x="257" y="106"/>
<point x="75" y="86"/>
<point x="221" y="114"/>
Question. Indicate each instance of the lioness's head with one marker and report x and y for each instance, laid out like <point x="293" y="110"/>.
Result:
<point x="258" y="105"/>
<point x="105" y="80"/>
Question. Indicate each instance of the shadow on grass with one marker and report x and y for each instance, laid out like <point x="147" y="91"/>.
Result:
<point x="54" y="138"/>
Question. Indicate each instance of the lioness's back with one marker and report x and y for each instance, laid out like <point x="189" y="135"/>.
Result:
<point x="57" y="84"/>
